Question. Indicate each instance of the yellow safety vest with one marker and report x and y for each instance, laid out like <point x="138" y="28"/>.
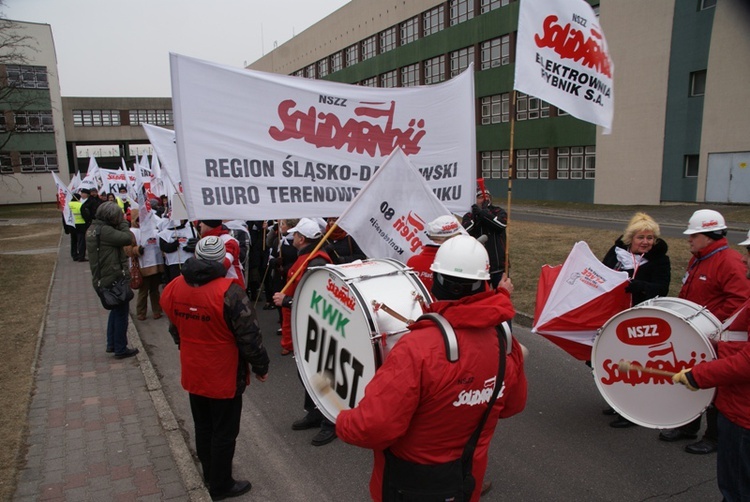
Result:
<point x="75" y="207"/>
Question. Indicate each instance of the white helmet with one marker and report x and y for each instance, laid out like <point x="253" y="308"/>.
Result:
<point x="746" y="242"/>
<point x="462" y="256"/>
<point x="443" y="227"/>
<point x="705" y="220"/>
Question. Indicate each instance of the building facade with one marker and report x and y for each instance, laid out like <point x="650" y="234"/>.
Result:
<point x="680" y="131"/>
<point x="32" y="139"/>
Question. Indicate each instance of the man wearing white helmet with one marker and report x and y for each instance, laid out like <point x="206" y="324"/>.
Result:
<point x="420" y="408"/>
<point x="715" y="278"/>
<point x="730" y="374"/>
<point x="439" y="230"/>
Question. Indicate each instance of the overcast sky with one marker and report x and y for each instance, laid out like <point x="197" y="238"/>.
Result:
<point x="121" y="48"/>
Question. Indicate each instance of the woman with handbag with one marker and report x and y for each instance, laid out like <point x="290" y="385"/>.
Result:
<point x="105" y="239"/>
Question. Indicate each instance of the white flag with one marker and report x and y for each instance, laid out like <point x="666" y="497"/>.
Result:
<point x="75" y="182"/>
<point x="562" y="58"/>
<point x="64" y="196"/>
<point x="389" y="217"/>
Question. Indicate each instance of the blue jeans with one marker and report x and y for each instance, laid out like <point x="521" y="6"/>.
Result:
<point x="117" y="328"/>
<point x="733" y="460"/>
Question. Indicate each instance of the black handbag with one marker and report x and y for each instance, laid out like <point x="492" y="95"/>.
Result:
<point x="405" y="481"/>
<point x="117" y="293"/>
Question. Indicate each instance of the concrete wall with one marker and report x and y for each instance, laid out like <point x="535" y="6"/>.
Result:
<point x="629" y="160"/>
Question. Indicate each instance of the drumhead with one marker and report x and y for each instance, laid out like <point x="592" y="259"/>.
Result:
<point x="337" y="332"/>
<point x="653" y="337"/>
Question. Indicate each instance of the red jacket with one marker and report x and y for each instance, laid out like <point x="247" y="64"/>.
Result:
<point x="730" y="374"/>
<point x="421" y="264"/>
<point x="208" y="350"/>
<point x="717" y="281"/>
<point x="232" y="260"/>
<point x="424" y="407"/>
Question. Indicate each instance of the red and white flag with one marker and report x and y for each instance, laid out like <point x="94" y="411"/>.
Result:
<point x="576" y="299"/>
<point x="388" y="218"/>
<point x="63" y="197"/>
<point x="562" y="58"/>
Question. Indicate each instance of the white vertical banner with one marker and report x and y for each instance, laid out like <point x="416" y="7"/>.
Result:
<point x="276" y="146"/>
<point x="389" y="216"/>
<point x="562" y="58"/>
<point x="63" y="197"/>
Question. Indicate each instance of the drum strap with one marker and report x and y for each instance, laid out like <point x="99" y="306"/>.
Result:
<point x="449" y="336"/>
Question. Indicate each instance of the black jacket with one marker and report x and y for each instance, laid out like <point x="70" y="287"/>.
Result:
<point x="652" y="278"/>
<point x="489" y="220"/>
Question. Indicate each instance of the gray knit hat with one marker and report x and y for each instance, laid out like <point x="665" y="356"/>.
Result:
<point x="210" y="248"/>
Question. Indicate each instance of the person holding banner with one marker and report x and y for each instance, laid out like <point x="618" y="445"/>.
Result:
<point x="305" y="237"/>
<point x="439" y="230"/>
<point x="488" y="219"/>
<point x="216" y="330"/>
<point x="80" y="229"/>
<point x="151" y="264"/>
<point x="730" y="374"/>
<point x="421" y="408"/>
<point x="340" y="246"/>
<point x="172" y="242"/>
<point x="715" y="278"/>
<point x="643" y="255"/>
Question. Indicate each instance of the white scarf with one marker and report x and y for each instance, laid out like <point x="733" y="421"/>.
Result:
<point x="628" y="260"/>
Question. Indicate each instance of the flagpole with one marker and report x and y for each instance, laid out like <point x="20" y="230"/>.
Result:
<point x="308" y="257"/>
<point x="510" y="180"/>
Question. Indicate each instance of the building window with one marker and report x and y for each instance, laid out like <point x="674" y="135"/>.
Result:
<point x="27" y="77"/>
<point x="310" y="71"/>
<point x="434" y="70"/>
<point x="370" y="82"/>
<point x="389" y="79"/>
<point x="299" y="73"/>
<point x="576" y="162"/>
<point x="461" y="59"/>
<point x="388" y="39"/>
<point x="532" y="164"/>
<point x="352" y="55"/>
<point x="337" y="61"/>
<point x="6" y="165"/>
<point x="369" y="47"/>
<point x="488" y="5"/>
<point x="698" y="83"/>
<point x="433" y="20"/>
<point x="155" y="117"/>
<point x="40" y="121"/>
<point x="495" y="52"/>
<point x="530" y="108"/>
<point x="495" y="109"/>
<point x="461" y="10"/>
<point x="409" y="30"/>
<point x="322" y="68"/>
<point x="3" y="127"/>
<point x="410" y="75"/>
<point x="96" y="118"/>
<point x="691" y="166"/>
<point x="39" y="162"/>
<point x="707" y="4"/>
<point x="495" y="164"/>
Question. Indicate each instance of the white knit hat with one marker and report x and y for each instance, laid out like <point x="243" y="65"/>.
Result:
<point x="210" y="248"/>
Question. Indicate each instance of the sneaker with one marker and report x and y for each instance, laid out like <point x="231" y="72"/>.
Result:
<point x="127" y="353"/>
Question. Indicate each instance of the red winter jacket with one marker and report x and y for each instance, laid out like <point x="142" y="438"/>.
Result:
<point x="730" y="374"/>
<point x="421" y="264"/>
<point x="717" y="281"/>
<point x="423" y="407"/>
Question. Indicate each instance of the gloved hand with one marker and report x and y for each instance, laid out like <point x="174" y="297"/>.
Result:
<point x="634" y="286"/>
<point x="682" y="377"/>
<point x="475" y="210"/>
<point x="190" y="245"/>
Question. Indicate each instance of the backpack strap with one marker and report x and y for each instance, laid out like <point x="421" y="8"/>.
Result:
<point x="449" y="336"/>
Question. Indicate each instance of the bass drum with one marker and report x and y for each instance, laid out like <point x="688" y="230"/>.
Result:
<point x="663" y="333"/>
<point x="341" y="329"/>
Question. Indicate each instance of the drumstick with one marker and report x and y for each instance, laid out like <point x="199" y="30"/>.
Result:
<point x="388" y="310"/>
<point x="626" y="366"/>
<point x="322" y="386"/>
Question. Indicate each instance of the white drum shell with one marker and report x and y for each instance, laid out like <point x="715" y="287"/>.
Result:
<point x="335" y="325"/>
<point x="663" y="333"/>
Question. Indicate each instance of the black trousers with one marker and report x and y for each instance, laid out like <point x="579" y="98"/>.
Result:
<point x="80" y="252"/>
<point x="217" y="424"/>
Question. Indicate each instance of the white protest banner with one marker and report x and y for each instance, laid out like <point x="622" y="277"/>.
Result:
<point x="562" y="58"/>
<point x="64" y="196"/>
<point x="92" y="179"/>
<point x="113" y="179"/>
<point x="389" y="216"/>
<point x="75" y="182"/>
<point x="164" y="143"/>
<point x="261" y="145"/>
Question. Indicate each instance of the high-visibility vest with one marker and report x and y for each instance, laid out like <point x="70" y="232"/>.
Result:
<point x="75" y="208"/>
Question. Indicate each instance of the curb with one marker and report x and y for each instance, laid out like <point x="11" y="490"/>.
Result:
<point x="177" y="445"/>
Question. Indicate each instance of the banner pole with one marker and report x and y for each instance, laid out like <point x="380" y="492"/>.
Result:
<point x="307" y="258"/>
<point x="510" y="180"/>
